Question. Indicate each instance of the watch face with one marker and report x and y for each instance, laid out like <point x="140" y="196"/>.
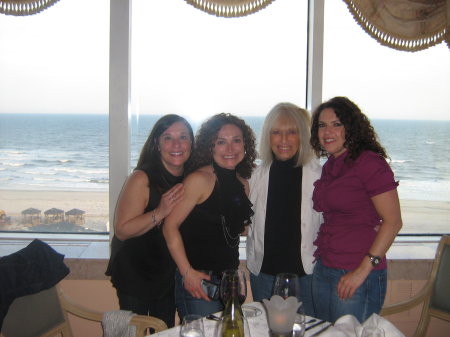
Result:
<point x="375" y="260"/>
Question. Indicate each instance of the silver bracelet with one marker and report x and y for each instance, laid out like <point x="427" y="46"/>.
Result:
<point x="155" y="223"/>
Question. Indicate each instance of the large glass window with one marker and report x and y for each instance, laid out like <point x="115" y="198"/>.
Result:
<point x="188" y="62"/>
<point x="53" y="119"/>
<point x="54" y="98"/>
<point x="406" y="97"/>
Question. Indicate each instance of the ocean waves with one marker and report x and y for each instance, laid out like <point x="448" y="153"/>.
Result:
<point x="73" y="154"/>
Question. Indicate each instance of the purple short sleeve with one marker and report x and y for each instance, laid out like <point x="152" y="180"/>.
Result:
<point x="375" y="174"/>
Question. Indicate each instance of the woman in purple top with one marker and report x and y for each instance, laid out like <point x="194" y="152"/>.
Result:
<point x="358" y="196"/>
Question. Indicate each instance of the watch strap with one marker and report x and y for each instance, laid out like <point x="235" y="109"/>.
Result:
<point x="375" y="260"/>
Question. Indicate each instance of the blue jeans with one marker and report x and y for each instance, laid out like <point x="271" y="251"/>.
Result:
<point x="187" y="304"/>
<point x="367" y="299"/>
<point x="262" y="287"/>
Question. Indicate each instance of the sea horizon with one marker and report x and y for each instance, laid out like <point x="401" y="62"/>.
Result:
<point x="69" y="152"/>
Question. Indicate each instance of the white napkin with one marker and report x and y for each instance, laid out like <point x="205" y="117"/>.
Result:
<point x="389" y="329"/>
<point x="349" y="326"/>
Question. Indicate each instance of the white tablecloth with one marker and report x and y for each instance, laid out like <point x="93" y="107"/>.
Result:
<point x="258" y="326"/>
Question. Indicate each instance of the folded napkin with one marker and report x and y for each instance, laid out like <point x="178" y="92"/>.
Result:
<point x="349" y="326"/>
<point x="116" y="324"/>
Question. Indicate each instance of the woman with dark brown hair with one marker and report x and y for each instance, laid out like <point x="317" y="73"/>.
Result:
<point x="358" y="196"/>
<point x="203" y="231"/>
<point x="141" y="268"/>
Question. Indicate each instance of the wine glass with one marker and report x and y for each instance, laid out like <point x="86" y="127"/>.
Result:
<point x="287" y="285"/>
<point x="192" y="326"/>
<point x="233" y="275"/>
<point x="372" y="331"/>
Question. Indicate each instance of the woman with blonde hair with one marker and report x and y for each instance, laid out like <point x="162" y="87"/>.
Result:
<point x="280" y="238"/>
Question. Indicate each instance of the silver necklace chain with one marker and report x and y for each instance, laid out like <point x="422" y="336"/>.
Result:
<point x="227" y="234"/>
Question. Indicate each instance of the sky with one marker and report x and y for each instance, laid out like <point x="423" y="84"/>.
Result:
<point x="188" y="62"/>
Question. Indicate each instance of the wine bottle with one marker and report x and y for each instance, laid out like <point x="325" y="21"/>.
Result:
<point x="233" y="318"/>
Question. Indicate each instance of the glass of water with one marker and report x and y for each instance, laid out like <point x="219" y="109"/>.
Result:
<point x="192" y="326"/>
<point x="299" y="323"/>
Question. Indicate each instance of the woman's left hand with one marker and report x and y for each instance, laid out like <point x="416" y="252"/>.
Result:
<point x="351" y="281"/>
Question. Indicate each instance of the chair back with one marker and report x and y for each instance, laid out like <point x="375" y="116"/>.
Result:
<point x="440" y="298"/>
<point x="45" y="314"/>
<point x="39" y="314"/>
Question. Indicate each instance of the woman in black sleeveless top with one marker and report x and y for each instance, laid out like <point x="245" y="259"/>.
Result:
<point x="141" y="268"/>
<point x="202" y="232"/>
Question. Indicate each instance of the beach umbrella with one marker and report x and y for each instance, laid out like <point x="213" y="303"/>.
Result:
<point x="30" y="211"/>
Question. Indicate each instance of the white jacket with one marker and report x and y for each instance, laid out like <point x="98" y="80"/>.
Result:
<point x="310" y="219"/>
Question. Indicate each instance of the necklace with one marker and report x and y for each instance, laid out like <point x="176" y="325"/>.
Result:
<point x="226" y="233"/>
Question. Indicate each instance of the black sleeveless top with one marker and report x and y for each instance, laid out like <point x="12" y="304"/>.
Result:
<point x="211" y="232"/>
<point x="142" y="266"/>
<point x="204" y="240"/>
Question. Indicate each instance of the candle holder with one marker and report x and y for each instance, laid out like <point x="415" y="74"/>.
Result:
<point x="281" y="315"/>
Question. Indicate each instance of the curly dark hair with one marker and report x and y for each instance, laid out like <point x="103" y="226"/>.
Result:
<point x="359" y="133"/>
<point x="207" y="135"/>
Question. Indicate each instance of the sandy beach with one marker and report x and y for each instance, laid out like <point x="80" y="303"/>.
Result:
<point x="419" y="216"/>
<point x="95" y="204"/>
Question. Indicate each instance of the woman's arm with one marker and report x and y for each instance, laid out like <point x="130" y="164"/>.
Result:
<point x="198" y="186"/>
<point x="130" y="219"/>
<point x="387" y="205"/>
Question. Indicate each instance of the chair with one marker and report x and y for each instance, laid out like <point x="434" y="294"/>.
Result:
<point x="435" y="296"/>
<point x="45" y="314"/>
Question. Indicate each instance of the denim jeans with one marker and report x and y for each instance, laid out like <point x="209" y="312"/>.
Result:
<point x="367" y="299"/>
<point x="262" y="287"/>
<point x="163" y="308"/>
<point x="186" y="304"/>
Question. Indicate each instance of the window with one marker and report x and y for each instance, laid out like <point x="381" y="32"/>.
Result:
<point x="187" y="62"/>
<point x="53" y="119"/>
<point x="406" y="97"/>
<point x="54" y="98"/>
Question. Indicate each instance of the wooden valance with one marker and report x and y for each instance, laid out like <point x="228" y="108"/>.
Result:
<point x="230" y="8"/>
<point x="408" y="25"/>
<point x="24" y="7"/>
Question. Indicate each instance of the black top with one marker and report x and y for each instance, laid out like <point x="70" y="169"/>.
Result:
<point x="142" y="266"/>
<point x="282" y="236"/>
<point x="204" y="239"/>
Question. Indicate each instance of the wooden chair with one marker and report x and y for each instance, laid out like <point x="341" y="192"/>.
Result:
<point x="45" y="314"/>
<point x="435" y="296"/>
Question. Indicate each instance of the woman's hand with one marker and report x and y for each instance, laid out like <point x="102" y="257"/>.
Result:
<point x="193" y="283"/>
<point x="169" y="200"/>
<point x="351" y="281"/>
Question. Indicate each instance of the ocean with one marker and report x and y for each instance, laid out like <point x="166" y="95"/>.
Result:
<point x="70" y="152"/>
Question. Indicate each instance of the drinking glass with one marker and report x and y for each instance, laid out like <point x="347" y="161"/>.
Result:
<point x="192" y="326"/>
<point x="299" y="323"/>
<point x="372" y="331"/>
<point x="286" y="285"/>
<point x="233" y="275"/>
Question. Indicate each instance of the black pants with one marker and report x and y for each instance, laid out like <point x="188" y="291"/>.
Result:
<point x="163" y="308"/>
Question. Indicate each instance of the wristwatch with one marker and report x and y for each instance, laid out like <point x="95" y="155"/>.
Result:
<point x="375" y="260"/>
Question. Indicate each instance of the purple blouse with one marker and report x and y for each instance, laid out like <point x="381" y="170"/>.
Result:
<point x="343" y="194"/>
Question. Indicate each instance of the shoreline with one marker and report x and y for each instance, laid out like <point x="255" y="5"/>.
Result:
<point x="419" y="216"/>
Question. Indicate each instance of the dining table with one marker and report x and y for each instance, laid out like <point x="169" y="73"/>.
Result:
<point x="258" y="324"/>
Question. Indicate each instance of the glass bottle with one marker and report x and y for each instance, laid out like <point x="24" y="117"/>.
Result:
<point x="233" y="318"/>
